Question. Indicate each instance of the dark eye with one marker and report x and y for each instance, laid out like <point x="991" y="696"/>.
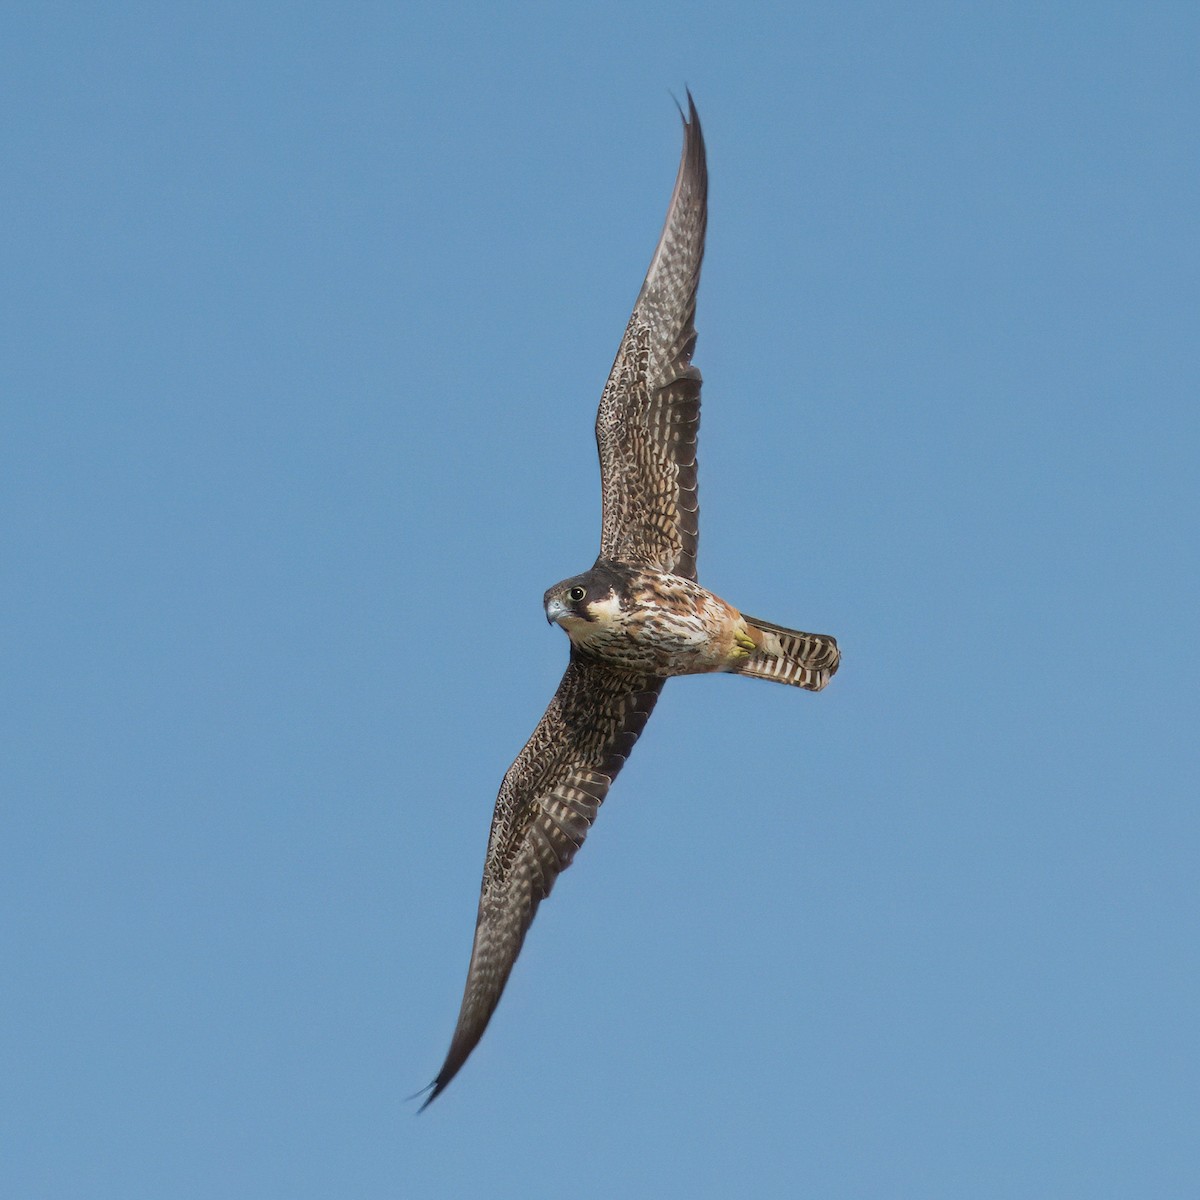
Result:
<point x="576" y="594"/>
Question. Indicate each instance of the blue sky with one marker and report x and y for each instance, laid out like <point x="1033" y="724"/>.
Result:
<point x="308" y="311"/>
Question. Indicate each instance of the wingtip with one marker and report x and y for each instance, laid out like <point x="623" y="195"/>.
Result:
<point x="450" y="1068"/>
<point x="694" y="156"/>
<point x="691" y="117"/>
<point x="434" y="1090"/>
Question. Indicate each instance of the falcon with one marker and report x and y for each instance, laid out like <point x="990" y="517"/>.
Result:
<point x="634" y="619"/>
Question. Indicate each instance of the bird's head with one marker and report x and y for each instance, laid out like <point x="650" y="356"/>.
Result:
<point x="581" y="600"/>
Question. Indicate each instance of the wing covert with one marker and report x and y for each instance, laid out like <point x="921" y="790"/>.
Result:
<point x="649" y="415"/>
<point x="547" y="802"/>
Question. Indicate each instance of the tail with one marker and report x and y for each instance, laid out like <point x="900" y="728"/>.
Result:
<point x="807" y="660"/>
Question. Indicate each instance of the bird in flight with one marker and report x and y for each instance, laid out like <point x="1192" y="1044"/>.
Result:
<point x="634" y="619"/>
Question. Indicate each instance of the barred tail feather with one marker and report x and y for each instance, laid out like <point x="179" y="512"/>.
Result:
<point x="807" y="660"/>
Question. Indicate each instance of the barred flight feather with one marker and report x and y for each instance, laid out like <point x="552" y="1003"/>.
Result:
<point x="806" y="660"/>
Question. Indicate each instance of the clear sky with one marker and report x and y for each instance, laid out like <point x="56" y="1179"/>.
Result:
<point x="307" y="310"/>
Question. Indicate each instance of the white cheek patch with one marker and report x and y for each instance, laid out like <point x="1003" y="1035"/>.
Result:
<point x="606" y="611"/>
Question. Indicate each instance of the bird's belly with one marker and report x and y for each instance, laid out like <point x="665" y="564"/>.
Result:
<point x="687" y="631"/>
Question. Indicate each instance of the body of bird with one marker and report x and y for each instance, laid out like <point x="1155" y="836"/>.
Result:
<point x="634" y="618"/>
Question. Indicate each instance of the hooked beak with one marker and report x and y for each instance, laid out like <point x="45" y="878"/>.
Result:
<point x="555" y="609"/>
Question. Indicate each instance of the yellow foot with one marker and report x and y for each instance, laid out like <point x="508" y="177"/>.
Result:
<point x="745" y="643"/>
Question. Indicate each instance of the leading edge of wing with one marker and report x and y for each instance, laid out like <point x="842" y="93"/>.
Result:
<point x="547" y="802"/>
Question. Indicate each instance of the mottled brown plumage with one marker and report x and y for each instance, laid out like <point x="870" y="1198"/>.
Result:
<point x="547" y="802"/>
<point x="636" y="618"/>
<point x="649" y="416"/>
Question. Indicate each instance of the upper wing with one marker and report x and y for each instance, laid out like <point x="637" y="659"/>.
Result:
<point x="650" y="410"/>
<point x="547" y="802"/>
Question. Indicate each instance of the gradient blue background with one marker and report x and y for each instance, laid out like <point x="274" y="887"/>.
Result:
<point x="307" y="309"/>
